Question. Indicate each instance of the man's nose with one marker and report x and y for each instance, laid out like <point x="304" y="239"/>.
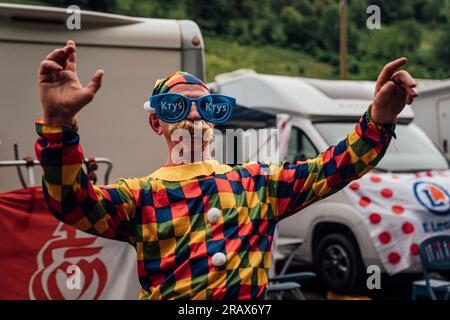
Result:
<point x="193" y="114"/>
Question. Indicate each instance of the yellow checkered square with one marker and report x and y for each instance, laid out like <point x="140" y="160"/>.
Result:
<point x="369" y="156"/>
<point x="200" y="295"/>
<point x="353" y="137"/>
<point x="264" y="210"/>
<point x="83" y="224"/>
<point x="321" y="187"/>
<point x="167" y="247"/>
<point x="227" y="200"/>
<point x="183" y="285"/>
<point x="243" y="216"/>
<point x="267" y="259"/>
<point x="255" y="258"/>
<point x="149" y="232"/>
<point x="217" y="279"/>
<point x="101" y="225"/>
<point x="233" y="260"/>
<point x="181" y="226"/>
<point x="262" y="277"/>
<point x="70" y="173"/>
<point x="252" y="199"/>
<point x="140" y="251"/>
<point x="246" y="275"/>
<point x="54" y="191"/>
<point x="198" y="236"/>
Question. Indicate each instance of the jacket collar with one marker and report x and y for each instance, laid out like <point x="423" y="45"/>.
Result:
<point x="190" y="170"/>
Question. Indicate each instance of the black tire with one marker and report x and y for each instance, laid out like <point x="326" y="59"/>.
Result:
<point x="338" y="262"/>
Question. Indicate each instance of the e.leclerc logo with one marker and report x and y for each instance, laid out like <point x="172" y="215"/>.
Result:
<point x="433" y="197"/>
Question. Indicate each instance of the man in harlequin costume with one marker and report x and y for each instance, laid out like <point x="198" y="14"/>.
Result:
<point x="202" y="230"/>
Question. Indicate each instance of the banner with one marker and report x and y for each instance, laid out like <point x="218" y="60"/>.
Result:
<point x="44" y="259"/>
<point x="401" y="210"/>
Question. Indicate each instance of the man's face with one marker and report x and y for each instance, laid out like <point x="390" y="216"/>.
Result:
<point x="189" y="90"/>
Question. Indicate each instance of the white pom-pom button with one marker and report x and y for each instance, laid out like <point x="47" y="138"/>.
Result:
<point x="219" y="259"/>
<point x="213" y="215"/>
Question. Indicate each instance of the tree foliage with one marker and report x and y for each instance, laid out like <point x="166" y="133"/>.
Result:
<point x="310" y="26"/>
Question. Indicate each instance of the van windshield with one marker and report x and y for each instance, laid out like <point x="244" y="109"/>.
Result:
<point x="411" y="151"/>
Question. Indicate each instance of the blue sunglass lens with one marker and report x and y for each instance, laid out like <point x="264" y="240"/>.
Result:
<point x="216" y="108"/>
<point x="171" y="108"/>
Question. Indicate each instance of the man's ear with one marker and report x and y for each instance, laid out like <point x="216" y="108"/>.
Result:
<point x="154" y="123"/>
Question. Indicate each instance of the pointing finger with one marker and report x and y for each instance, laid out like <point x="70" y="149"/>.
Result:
<point x="71" y="60"/>
<point x="388" y="71"/>
<point x="48" y="66"/>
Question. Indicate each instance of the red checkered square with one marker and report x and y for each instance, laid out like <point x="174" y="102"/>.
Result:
<point x="192" y="190"/>
<point x="245" y="230"/>
<point x="217" y="231"/>
<point x="148" y="214"/>
<point x="223" y="186"/>
<point x="72" y="154"/>
<point x="198" y="250"/>
<point x="179" y="209"/>
<point x="233" y="245"/>
<point x="160" y="198"/>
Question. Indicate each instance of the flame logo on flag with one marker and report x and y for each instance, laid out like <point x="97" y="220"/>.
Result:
<point x="433" y="197"/>
<point x="61" y="251"/>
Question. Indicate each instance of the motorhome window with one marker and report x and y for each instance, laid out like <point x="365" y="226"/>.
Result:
<point x="300" y="146"/>
<point x="411" y="151"/>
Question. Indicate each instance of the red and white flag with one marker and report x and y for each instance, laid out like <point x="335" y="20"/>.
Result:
<point x="44" y="259"/>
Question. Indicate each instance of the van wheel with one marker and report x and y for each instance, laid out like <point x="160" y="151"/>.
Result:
<point x="338" y="263"/>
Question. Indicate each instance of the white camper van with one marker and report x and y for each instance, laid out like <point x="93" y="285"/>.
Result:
<point x="338" y="238"/>
<point x="432" y="112"/>
<point x="134" y="52"/>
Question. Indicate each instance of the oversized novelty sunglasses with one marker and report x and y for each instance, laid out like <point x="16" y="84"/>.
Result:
<point x="172" y="107"/>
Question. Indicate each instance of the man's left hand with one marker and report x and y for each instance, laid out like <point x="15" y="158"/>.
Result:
<point x="394" y="89"/>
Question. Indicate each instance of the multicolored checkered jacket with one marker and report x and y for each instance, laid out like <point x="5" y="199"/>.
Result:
<point x="201" y="230"/>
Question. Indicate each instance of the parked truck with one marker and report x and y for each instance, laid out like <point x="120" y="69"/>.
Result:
<point x="432" y="112"/>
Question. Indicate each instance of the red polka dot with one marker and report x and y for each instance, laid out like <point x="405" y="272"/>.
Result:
<point x="394" y="257"/>
<point x="354" y="186"/>
<point x="408" y="228"/>
<point x="394" y="176"/>
<point x="387" y="193"/>
<point x="384" y="237"/>
<point x="398" y="209"/>
<point x="364" y="202"/>
<point x="375" y="179"/>
<point x="414" y="249"/>
<point x="429" y="174"/>
<point x="417" y="174"/>
<point x="375" y="218"/>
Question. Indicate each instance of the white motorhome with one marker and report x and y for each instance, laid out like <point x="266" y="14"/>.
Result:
<point x="432" y="112"/>
<point x="322" y="112"/>
<point x="134" y="52"/>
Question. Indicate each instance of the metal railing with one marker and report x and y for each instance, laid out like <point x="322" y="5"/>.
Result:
<point x="30" y="164"/>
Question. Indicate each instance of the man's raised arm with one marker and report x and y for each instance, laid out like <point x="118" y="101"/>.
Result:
<point x="71" y="197"/>
<point x="296" y="186"/>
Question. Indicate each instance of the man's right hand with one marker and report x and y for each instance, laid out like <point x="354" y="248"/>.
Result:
<point x="61" y="92"/>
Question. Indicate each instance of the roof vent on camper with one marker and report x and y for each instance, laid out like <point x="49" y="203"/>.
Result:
<point x="233" y="74"/>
